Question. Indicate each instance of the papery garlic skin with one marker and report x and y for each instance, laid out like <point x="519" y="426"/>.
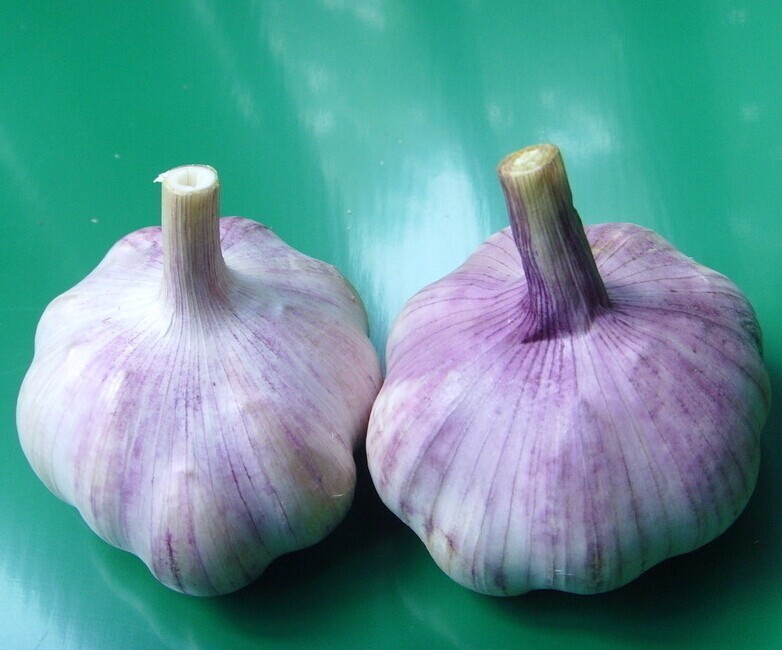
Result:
<point x="537" y="439"/>
<point x="199" y="395"/>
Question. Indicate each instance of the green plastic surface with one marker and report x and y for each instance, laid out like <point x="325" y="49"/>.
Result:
<point x="366" y="133"/>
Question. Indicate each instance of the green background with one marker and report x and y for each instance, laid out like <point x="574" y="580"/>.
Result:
<point x="366" y="133"/>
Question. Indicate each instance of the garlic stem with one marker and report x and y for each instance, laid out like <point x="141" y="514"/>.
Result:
<point x="194" y="272"/>
<point x="565" y="288"/>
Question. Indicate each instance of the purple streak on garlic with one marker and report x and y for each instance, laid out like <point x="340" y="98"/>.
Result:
<point x="199" y="395"/>
<point x="568" y="408"/>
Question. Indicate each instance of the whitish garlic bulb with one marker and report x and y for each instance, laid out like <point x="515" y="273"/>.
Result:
<point x="199" y="395"/>
<point x="565" y="410"/>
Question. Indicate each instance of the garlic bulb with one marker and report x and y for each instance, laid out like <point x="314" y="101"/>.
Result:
<point x="199" y="395"/>
<point x="567" y="409"/>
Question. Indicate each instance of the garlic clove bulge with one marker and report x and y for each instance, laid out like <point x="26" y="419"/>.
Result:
<point x="570" y="406"/>
<point x="199" y="395"/>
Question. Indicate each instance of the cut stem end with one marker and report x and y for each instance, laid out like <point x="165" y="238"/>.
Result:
<point x="529" y="159"/>
<point x="188" y="179"/>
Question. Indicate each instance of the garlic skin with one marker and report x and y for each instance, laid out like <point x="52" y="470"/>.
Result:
<point x="199" y="395"/>
<point x="568" y="408"/>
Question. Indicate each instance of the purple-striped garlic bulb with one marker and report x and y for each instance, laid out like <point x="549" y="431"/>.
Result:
<point x="568" y="408"/>
<point x="199" y="395"/>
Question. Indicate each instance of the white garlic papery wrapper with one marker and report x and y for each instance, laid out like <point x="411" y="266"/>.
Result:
<point x="568" y="408"/>
<point x="199" y="395"/>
